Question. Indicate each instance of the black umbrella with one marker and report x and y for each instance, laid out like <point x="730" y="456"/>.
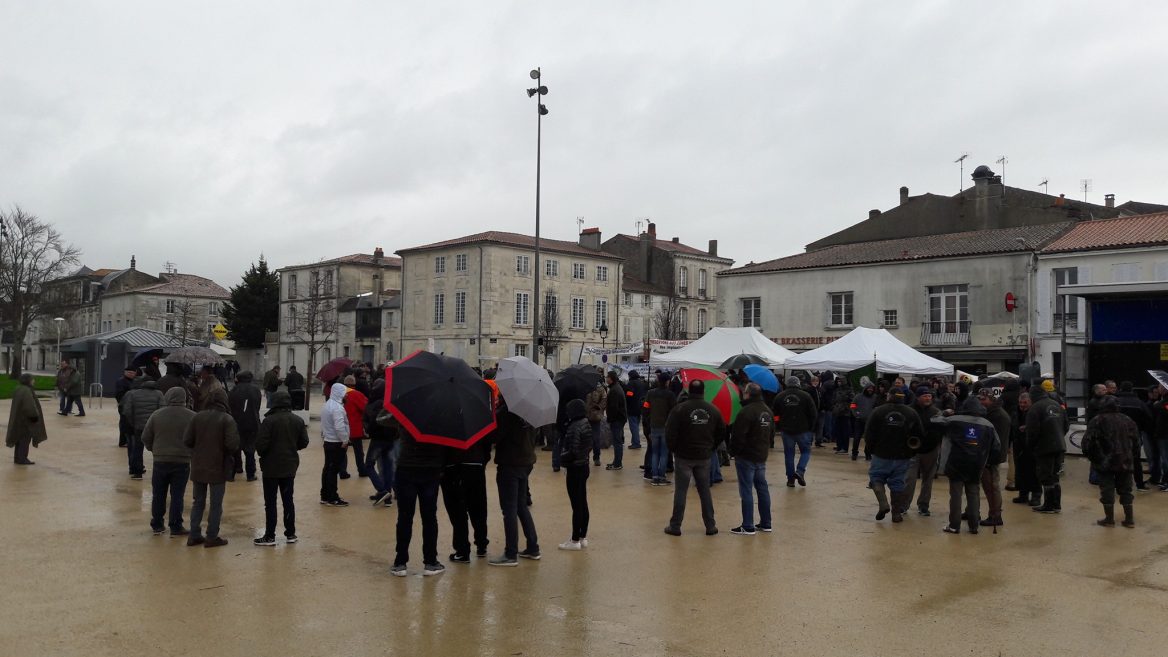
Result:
<point x="575" y="382"/>
<point x="439" y="400"/>
<point x="145" y="357"/>
<point x="740" y="361"/>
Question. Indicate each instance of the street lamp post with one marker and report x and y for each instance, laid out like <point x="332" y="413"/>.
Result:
<point x="540" y="111"/>
<point x="58" y="321"/>
<point x="603" y="334"/>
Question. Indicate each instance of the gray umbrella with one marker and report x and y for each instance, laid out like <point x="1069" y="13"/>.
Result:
<point x="529" y="390"/>
<point x="194" y="357"/>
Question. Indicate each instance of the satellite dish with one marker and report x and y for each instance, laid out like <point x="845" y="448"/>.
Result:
<point x="534" y="74"/>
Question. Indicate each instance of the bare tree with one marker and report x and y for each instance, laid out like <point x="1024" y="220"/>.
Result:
<point x="188" y="320"/>
<point x="667" y="320"/>
<point x="551" y="327"/>
<point x="32" y="253"/>
<point x="313" y="319"/>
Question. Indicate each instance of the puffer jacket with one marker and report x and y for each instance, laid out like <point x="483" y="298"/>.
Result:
<point x="595" y="402"/>
<point x="1111" y="441"/>
<point x="140" y="403"/>
<point x="166" y="428"/>
<point x="334" y="421"/>
<point x="245" y="399"/>
<point x="212" y="436"/>
<point x="863" y="404"/>
<point x="576" y="445"/>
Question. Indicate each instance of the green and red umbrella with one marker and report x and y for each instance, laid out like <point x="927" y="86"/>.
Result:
<point x="720" y="390"/>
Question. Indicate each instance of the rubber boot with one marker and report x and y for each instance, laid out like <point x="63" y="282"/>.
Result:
<point x="882" y="499"/>
<point x="1048" y="505"/>
<point x="1058" y="498"/>
<point x="1129" y="517"/>
<point x="899" y="506"/>
<point x="1036" y="498"/>
<point x="1108" y="519"/>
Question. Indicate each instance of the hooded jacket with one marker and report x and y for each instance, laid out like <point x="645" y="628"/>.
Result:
<point x="576" y="444"/>
<point x="25" y="418"/>
<point x="694" y="427"/>
<point x="1046" y="426"/>
<point x="281" y="435"/>
<point x="140" y="403"/>
<point x="212" y="436"/>
<point x="514" y="439"/>
<point x="659" y="403"/>
<point x="753" y="432"/>
<point x="1111" y="441"/>
<point x="244" y="400"/>
<point x="334" y="421"/>
<point x="355" y="402"/>
<point x="1004" y="425"/>
<point x="795" y="411"/>
<point x="971" y="439"/>
<point x="864" y="403"/>
<point x="596" y="402"/>
<point x="635" y="394"/>
<point x="890" y="430"/>
<point x="167" y="427"/>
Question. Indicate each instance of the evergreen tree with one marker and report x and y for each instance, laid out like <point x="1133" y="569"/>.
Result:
<point x="254" y="307"/>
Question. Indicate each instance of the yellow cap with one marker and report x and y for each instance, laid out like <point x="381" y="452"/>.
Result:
<point x="1048" y="385"/>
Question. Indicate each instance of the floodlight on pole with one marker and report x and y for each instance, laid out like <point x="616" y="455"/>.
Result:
<point x="58" y="321"/>
<point x="537" y="91"/>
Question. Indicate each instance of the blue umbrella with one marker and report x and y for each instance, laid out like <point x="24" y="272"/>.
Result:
<point x="765" y="378"/>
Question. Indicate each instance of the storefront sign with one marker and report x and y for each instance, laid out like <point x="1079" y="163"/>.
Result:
<point x="806" y="341"/>
<point x="1163" y="352"/>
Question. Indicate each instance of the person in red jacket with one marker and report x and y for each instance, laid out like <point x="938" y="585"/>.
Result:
<point x="355" y="403"/>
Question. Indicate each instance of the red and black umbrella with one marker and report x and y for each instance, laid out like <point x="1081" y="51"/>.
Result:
<point x="333" y="369"/>
<point x="439" y="400"/>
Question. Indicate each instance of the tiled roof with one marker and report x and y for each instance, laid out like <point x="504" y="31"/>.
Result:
<point x="182" y="285"/>
<point x="352" y="259"/>
<point x="631" y="284"/>
<point x="674" y="247"/>
<point x="977" y="242"/>
<point x="1142" y="230"/>
<point x="516" y="240"/>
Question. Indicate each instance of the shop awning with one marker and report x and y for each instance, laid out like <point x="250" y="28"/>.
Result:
<point x="1113" y="290"/>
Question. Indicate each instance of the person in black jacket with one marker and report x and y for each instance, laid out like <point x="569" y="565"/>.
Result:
<point x="634" y="398"/>
<point x="278" y="439"/>
<point x="890" y="433"/>
<point x="750" y="439"/>
<point x="245" y="399"/>
<point x="923" y="466"/>
<point x="973" y="442"/>
<point x="418" y="470"/>
<point x="575" y="446"/>
<point x="693" y="428"/>
<point x="617" y="413"/>
<point x="380" y="459"/>
<point x="991" y="476"/>
<point x="1131" y="406"/>
<point x="795" y="414"/>
<point x="659" y="404"/>
<point x="124" y="385"/>
<point x="514" y="441"/>
<point x="1046" y="427"/>
<point x="1025" y="472"/>
<point x="464" y="494"/>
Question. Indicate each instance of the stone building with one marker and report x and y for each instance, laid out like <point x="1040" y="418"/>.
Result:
<point x="319" y="308"/>
<point x="471" y="296"/>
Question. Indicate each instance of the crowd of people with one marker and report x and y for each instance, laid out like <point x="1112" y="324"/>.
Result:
<point x="909" y="433"/>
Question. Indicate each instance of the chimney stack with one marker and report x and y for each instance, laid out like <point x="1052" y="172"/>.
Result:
<point x="590" y="238"/>
<point x="677" y="240"/>
<point x="872" y="214"/>
<point x="133" y="262"/>
<point x="713" y="250"/>
<point x="1109" y="200"/>
<point x="903" y="195"/>
<point x="652" y="231"/>
<point x="378" y="254"/>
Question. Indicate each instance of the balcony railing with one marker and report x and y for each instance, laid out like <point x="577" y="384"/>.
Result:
<point x="683" y="290"/>
<point x="1072" y="322"/>
<point x="945" y="333"/>
<point x="701" y="293"/>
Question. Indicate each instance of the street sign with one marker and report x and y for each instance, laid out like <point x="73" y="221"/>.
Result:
<point x="219" y="331"/>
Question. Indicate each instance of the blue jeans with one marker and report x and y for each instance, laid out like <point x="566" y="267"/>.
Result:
<point x="635" y="430"/>
<point x="379" y="463"/>
<point x="168" y="478"/>
<point x="660" y="452"/>
<point x="826" y="427"/>
<point x="715" y="468"/>
<point x="199" y="495"/>
<point x="751" y="479"/>
<point x="803" y="440"/>
<point x="595" y="441"/>
<point x="417" y="487"/>
<point x="1152" y="450"/>
<point x="888" y="471"/>
<point x="618" y="443"/>
<point x="554" y="441"/>
<point x="134" y="453"/>
<point x="512" y="483"/>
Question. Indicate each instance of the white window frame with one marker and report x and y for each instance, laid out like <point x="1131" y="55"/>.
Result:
<point x="1064" y="276"/>
<point x="169" y="326"/>
<point x="683" y="280"/>
<point x="460" y="307"/>
<point x="703" y="278"/>
<point x="889" y="314"/>
<point x="522" y="308"/>
<point x="579" y="271"/>
<point x="213" y="308"/>
<point x="646" y="300"/>
<point x="292" y="286"/>
<point x="523" y="265"/>
<point x="520" y="349"/>
<point x="683" y="320"/>
<point x="171" y="305"/>
<point x="438" y="316"/>
<point x="551" y="268"/>
<point x="952" y="314"/>
<point x="460" y="262"/>
<point x="702" y="321"/>
<point x="601" y="311"/>
<point x="846" y="302"/>
<point x="750" y="311"/>
<point x="439" y="265"/>
<point x="579" y="318"/>
<point x="601" y="273"/>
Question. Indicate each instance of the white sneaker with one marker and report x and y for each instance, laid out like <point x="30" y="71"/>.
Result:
<point x="571" y="545"/>
<point x="583" y="542"/>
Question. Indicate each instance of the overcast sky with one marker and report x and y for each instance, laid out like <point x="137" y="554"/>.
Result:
<point x="207" y="133"/>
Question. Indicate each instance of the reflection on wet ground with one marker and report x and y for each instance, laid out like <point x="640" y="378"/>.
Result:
<point x="86" y="577"/>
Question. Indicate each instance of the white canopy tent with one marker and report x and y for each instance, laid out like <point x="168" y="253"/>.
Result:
<point x="713" y="348"/>
<point x="861" y="347"/>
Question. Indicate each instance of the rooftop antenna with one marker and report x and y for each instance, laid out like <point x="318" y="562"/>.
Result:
<point x="639" y="224"/>
<point x="170" y="267"/>
<point x="1085" y="186"/>
<point x="1045" y="185"/>
<point x="960" y="162"/>
<point x="579" y="224"/>
<point x="1002" y="161"/>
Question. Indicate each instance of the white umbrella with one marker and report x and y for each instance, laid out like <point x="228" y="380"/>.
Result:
<point x="529" y="390"/>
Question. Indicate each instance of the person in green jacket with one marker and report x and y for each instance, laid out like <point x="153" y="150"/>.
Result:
<point x="281" y="435"/>
<point x="163" y="436"/>
<point x="26" y="422"/>
<point x="213" y="438"/>
<point x="73" y="391"/>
